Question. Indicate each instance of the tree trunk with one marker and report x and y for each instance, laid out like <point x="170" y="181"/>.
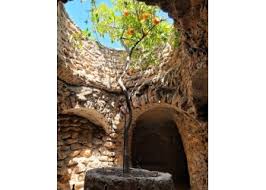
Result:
<point x="126" y="129"/>
<point x="127" y="121"/>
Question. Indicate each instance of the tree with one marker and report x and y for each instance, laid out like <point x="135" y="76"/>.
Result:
<point x="141" y="32"/>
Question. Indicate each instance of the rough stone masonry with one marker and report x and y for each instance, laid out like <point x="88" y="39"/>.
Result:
<point x="90" y="121"/>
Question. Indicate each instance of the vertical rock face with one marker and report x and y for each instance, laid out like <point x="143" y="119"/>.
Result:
<point x="90" y="103"/>
<point x="200" y="93"/>
<point x="191" y="20"/>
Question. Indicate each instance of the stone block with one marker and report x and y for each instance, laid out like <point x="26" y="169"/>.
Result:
<point x="83" y="121"/>
<point x="109" y="145"/>
<point x="86" y="153"/>
<point x="75" y="153"/>
<point x="97" y="141"/>
<point x="80" y="168"/>
<point x="65" y="148"/>
<point x="61" y="155"/>
<point x="65" y="135"/>
<point x="60" y="164"/>
<point x="60" y="143"/>
<point x="72" y="163"/>
<point x="106" y="138"/>
<point x="74" y="135"/>
<point x="71" y="141"/>
<point x="75" y="146"/>
<point x="103" y="158"/>
<point x="114" y="135"/>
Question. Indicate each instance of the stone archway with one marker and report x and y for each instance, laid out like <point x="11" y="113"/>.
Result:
<point x="157" y="145"/>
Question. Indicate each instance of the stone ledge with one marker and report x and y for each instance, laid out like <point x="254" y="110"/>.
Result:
<point x="138" y="179"/>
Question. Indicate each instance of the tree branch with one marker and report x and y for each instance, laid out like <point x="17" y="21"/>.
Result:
<point x="143" y="36"/>
<point x="127" y="96"/>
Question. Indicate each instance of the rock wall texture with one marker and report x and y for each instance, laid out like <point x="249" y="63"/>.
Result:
<point x="81" y="146"/>
<point x="91" y="104"/>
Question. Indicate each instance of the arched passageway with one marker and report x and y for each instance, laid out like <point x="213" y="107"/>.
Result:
<point x="157" y="145"/>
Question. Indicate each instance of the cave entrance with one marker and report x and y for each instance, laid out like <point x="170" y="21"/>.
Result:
<point x="157" y="145"/>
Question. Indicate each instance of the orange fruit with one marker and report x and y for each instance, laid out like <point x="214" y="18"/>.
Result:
<point x="130" y="31"/>
<point x="155" y="20"/>
<point x="126" y="13"/>
<point x="145" y="16"/>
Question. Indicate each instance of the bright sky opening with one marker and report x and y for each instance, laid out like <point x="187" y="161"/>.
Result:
<point x="79" y="14"/>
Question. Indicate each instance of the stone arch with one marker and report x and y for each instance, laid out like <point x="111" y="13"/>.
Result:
<point x="92" y="115"/>
<point x="157" y="145"/>
<point x="193" y="136"/>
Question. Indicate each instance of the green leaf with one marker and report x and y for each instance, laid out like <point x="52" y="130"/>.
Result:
<point x="126" y="19"/>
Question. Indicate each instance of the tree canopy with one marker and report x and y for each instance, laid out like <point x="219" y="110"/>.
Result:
<point x="137" y="26"/>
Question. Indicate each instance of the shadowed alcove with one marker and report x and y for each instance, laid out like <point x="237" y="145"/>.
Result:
<point x="157" y="146"/>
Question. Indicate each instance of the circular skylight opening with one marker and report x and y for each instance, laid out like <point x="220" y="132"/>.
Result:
<point x="79" y="13"/>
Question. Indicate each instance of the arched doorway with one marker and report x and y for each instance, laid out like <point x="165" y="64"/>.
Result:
<point x="157" y="145"/>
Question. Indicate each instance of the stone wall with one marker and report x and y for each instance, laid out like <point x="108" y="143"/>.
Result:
<point x="91" y="65"/>
<point x="191" y="21"/>
<point x="81" y="146"/>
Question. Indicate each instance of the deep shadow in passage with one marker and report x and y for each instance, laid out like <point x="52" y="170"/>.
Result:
<point x="157" y="145"/>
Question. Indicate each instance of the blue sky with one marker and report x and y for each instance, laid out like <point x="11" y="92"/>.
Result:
<point x="79" y="13"/>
